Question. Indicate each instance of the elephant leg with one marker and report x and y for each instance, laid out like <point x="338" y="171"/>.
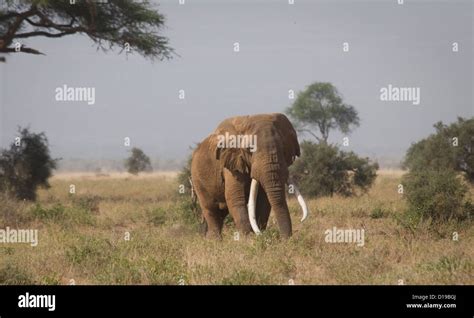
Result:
<point x="215" y="220"/>
<point x="241" y="219"/>
<point x="263" y="209"/>
<point x="236" y="199"/>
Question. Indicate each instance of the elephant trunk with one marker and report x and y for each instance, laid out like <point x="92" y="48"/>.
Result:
<point x="277" y="197"/>
<point x="281" y="210"/>
<point x="275" y="191"/>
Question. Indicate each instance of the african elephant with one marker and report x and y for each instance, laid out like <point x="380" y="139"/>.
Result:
<point x="246" y="158"/>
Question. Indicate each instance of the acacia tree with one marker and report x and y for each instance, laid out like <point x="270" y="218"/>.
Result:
<point x="138" y="162"/>
<point x="324" y="169"/>
<point x="320" y="107"/>
<point x="108" y="23"/>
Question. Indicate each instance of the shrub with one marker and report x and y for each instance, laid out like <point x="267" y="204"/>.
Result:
<point x="184" y="179"/>
<point x="138" y="162"/>
<point x="449" y="147"/>
<point x="26" y="166"/>
<point x="186" y="213"/>
<point x="325" y="170"/>
<point x="437" y="195"/>
<point x="184" y="175"/>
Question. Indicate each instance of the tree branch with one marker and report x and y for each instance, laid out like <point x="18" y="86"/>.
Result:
<point x="311" y="133"/>
<point x="43" y="33"/>
<point x="48" y="23"/>
<point x="23" y="49"/>
<point x="8" y="37"/>
<point x="8" y="15"/>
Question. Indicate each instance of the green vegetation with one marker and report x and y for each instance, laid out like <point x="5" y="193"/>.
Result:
<point x="450" y="147"/>
<point x="324" y="169"/>
<point x="26" y="165"/>
<point x="138" y="162"/>
<point x="134" y="26"/>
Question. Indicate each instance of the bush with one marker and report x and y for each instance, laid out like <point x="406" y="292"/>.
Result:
<point x="325" y="170"/>
<point x="439" y="195"/>
<point x="26" y="166"/>
<point x="138" y="162"/>
<point x="184" y="179"/>
<point x="184" y="175"/>
<point x="451" y="147"/>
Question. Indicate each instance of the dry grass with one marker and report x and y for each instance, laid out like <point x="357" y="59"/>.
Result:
<point x="86" y="240"/>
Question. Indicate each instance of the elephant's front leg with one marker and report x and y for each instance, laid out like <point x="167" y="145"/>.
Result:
<point x="236" y="196"/>
<point x="215" y="220"/>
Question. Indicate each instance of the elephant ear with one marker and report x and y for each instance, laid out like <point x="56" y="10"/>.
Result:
<point x="234" y="159"/>
<point x="287" y="132"/>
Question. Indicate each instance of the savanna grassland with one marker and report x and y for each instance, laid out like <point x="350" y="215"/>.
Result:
<point x="83" y="239"/>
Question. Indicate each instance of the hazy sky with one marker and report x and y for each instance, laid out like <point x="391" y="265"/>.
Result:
<point x="282" y="47"/>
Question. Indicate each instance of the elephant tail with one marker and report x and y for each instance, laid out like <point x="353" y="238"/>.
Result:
<point x="194" y="202"/>
<point x="195" y="207"/>
<point x="193" y="194"/>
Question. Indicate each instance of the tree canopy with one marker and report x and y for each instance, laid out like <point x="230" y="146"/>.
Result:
<point x="321" y="106"/>
<point x="26" y="165"/>
<point x="138" y="162"/>
<point x="108" y="23"/>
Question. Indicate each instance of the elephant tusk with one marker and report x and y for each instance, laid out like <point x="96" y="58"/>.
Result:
<point x="302" y="203"/>
<point x="252" y="205"/>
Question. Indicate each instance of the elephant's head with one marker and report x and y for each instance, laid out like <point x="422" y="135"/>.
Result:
<point x="264" y="147"/>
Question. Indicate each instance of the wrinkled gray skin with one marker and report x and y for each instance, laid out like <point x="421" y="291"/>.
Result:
<point x="222" y="176"/>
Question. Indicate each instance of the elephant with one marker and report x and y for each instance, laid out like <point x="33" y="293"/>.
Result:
<point x="246" y="159"/>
